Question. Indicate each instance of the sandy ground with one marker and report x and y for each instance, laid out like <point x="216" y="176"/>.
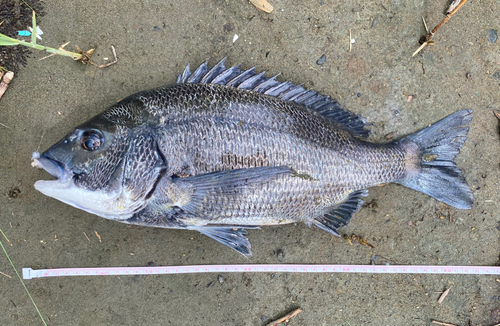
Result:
<point x="378" y="79"/>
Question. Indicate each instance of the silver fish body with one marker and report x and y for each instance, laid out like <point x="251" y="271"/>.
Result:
<point x="224" y="150"/>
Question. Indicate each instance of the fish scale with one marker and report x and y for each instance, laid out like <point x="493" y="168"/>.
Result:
<point x="225" y="150"/>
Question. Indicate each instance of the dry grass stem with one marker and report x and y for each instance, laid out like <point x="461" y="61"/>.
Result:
<point x="441" y="323"/>
<point x="85" y="234"/>
<point x="262" y="5"/>
<point x="110" y="63"/>
<point x="6" y="275"/>
<point x="98" y="236"/>
<point x="443" y="296"/>
<point x="286" y="318"/>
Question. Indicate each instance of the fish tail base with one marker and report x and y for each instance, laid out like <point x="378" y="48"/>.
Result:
<point x="436" y="173"/>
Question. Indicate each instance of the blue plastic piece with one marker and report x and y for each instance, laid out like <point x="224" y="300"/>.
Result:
<point x="24" y="33"/>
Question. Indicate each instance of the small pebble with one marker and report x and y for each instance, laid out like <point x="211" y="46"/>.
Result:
<point x="152" y="264"/>
<point x="280" y="255"/>
<point x="347" y="282"/>
<point x="263" y="318"/>
<point x="468" y="75"/>
<point x="157" y="28"/>
<point x="273" y="276"/>
<point x="496" y="75"/>
<point x="321" y="60"/>
<point x="220" y="279"/>
<point x="374" y="22"/>
<point x="493" y="36"/>
<point x="359" y="94"/>
<point x="321" y="3"/>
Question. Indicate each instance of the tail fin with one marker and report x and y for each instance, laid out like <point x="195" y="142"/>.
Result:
<point x="438" y="175"/>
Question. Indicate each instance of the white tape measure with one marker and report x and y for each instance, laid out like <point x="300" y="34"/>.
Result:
<point x="29" y="273"/>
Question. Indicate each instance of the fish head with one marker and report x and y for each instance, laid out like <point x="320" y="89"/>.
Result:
<point x="97" y="167"/>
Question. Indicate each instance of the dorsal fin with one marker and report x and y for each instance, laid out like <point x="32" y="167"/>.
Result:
<point x="257" y="82"/>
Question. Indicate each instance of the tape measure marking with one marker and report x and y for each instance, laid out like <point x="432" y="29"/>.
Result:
<point x="29" y="273"/>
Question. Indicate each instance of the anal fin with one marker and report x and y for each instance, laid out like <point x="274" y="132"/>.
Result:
<point x="342" y="214"/>
<point x="232" y="237"/>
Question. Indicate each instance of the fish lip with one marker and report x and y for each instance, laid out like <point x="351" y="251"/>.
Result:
<point x="55" y="168"/>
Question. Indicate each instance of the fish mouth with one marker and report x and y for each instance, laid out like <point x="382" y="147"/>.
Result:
<point x="55" y="168"/>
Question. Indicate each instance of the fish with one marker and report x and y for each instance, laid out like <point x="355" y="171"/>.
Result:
<point x="224" y="150"/>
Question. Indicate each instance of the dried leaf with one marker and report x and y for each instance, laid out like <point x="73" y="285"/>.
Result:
<point x="262" y="5"/>
<point x="443" y="296"/>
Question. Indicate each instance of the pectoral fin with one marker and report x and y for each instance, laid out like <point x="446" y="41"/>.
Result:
<point x="342" y="214"/>
<point x="232" y="237"/>
<point x="210" y="193"/>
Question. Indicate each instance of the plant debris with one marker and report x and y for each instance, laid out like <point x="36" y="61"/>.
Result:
<point x="262" y="5"/>
<point x="81" y="56"/>
<point x="4" y="83"/>
<point x="15" y="16"/>
<point x="427" y="39"/>
<point x="443" y="295"/>
<point x="497" y="114"/>
<point x="354" y="238"/>
<point x="286" y="318"/>
<point x="6" y="275"/>
<point x="441" y="323"/>
<point x="98" y="236"/>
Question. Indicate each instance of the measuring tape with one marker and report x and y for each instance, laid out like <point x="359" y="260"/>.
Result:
<point x="29" y="273"/>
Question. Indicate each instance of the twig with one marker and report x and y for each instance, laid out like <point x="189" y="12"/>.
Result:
<point x="443" y="296"/>
<point x="7" y="78"/>
<point x="441" y="323"/>
<point x="86" y="236"/>
<point x="425" y="40"/>
<point x="286" y="318"/>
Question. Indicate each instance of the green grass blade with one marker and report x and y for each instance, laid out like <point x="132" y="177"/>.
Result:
<point x="5" y="40"/>
<point x="20" y="279"/>
<point x="33" y="34"/>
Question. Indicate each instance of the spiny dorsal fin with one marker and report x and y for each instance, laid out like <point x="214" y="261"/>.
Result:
<point x="257" y="82"/>
<point x="342" y="214"/>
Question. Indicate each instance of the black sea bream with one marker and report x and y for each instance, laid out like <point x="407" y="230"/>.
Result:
<point x="224" y="150"/>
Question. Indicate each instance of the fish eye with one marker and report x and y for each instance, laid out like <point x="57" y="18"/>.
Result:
<point x="92" y="140"/>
